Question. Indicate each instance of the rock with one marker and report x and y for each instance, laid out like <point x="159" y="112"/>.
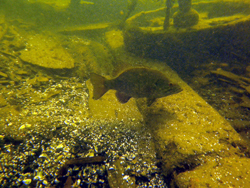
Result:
<point x="52" y="93"/>
<point x="38" y="80"/>
<point x="114" y="38"/>
<point x="85" y="60"/>
<point x="189" y="134"/>
<point x="27" y="181"/>
<point x="186" y="19"/>
<point x="188" y="131"/>
<point x="116" y="177"/>
<point x="222" y="172"/>
<point x="90" y="57"/>
<point x="42" y="79"/>
<point x="26" y="126"/>
<point x="46" y="52"/>
<point x="22" y="72"/>
<point x="103" y="57"/>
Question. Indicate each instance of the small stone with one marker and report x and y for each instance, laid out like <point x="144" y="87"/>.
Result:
<point x="126" y="177"/>
<point x="59" y="158"/>
<point x="21" y="72"/>
<point x="60" y="146"/>
<point x="42" y="79"/>
<point x="43" y="155"/>
<point x="45" y="182"/>
<point x="25" y="126"/>
<point x="27" y="181"/>
<point x="22" y="127"/>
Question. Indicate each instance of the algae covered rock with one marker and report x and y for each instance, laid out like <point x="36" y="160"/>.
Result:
<point x="90" y="56"/>
<point x="103" y="57"/>
<point x="46" y="52"/>
<point x="186" y="19"/>
<point x="114" y="38"/>
<point x="196" y="146"/>
<point x="217" y="172"/>
<point x="85" y="61"/>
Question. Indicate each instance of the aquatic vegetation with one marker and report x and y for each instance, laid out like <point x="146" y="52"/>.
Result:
<point x="58" y="4"/>
<point x="87" y="2"/>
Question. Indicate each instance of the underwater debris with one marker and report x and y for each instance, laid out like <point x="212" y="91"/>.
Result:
<point x="80" y="162"/>
<point x="2" y="74"/>
<point x="169" y="4"/>
<point x="233" y="79"/>
<point x="87" y="2"/>
<point x="237" y="84"/>
<point x="137" y="83"/>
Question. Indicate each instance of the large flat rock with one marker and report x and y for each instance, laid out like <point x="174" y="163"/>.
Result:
<point x="188" y="133"/>
<point x="45" y="51"/>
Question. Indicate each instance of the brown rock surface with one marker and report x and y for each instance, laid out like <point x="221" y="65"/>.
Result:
<point x="196" y="145"/>
<point x="189" y="135"/>
<point x="46" y="52"/>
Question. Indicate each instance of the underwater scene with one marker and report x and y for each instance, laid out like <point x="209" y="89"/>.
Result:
<point x="125" y="93"/>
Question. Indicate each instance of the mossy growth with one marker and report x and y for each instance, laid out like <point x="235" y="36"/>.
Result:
<point x="186" y="19"/>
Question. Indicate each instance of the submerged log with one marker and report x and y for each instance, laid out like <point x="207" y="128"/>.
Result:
<point x="238" y="81"/>
<point x="79" y="162"/>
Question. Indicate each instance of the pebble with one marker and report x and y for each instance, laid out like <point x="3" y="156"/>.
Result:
<point x="59" y="132"/>
<point x="27" y="181"/>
